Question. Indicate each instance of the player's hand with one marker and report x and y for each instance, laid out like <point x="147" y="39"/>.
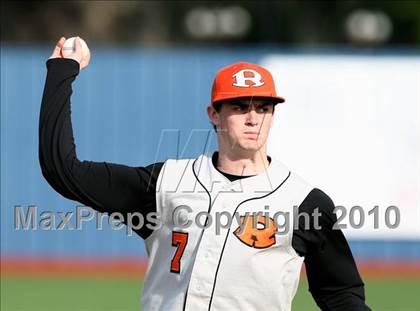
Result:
<point x="76" y="54"/>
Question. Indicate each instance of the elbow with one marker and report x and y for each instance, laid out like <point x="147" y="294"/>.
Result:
<point x="43" y="164"/>
<point x="57" y="176"/>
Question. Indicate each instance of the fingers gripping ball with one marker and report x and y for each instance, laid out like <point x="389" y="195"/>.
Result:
<point x="69" y="48"/>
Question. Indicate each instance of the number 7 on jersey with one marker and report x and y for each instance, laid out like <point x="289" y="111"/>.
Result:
<point x="179" y="240"/>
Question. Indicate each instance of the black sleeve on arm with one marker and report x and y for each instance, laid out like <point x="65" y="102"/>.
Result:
<point x="334" y="281"/>
<point x="103" y="186"/>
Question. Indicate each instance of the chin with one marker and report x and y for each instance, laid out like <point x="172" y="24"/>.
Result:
<point x="251" y="146"/>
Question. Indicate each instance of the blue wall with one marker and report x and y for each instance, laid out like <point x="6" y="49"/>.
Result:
<point x="120" y="105"/>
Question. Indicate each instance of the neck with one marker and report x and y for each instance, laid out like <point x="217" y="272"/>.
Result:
<point x="249" y="163"/>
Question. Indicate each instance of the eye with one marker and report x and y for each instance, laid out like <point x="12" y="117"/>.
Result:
<point x="238" y="107"/>
<point x="263" y="109"/>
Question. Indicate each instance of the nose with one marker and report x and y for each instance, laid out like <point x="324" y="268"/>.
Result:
<point x="252" y="117"/>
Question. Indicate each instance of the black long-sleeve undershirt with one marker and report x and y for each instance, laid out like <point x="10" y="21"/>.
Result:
<point x="332" y="274"/>
<point x="106" y="187"/>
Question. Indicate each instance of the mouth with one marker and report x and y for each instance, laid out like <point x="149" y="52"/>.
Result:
<point x="251" y="135"/>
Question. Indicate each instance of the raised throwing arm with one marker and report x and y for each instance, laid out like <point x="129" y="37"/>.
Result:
<point x="106" y="187"/>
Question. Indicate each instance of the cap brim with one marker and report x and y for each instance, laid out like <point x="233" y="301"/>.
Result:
<point x="276" y="99"/>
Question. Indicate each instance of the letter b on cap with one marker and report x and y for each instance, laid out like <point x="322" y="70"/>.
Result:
<point x="240" y="79"/>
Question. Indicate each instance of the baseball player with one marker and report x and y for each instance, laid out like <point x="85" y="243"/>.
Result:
<point x="246" y="265"/>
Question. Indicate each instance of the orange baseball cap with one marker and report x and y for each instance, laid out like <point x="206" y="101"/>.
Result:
<point x="243" y="80"/>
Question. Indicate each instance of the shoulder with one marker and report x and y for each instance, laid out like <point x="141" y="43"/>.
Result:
<point x="317" y="201"/>
<point x="176" y="166"/>
<point x="317" y="197"/>
<point x="176" y="173"/>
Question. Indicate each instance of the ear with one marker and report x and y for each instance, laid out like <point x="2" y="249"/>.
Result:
<point x="213" y="115"/>
<point x="272" y="120"/>
<point x="272" y="117"/>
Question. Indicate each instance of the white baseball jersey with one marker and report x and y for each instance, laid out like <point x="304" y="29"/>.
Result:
<point x="191" y="268"/>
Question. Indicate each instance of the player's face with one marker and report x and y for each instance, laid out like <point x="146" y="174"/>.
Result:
<point x="244" y="123"/>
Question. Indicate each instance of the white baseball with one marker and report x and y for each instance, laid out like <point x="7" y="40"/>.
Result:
<point x="69" y="47"/>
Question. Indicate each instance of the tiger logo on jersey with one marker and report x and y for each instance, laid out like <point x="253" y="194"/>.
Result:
<point x="257" y="232"/>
